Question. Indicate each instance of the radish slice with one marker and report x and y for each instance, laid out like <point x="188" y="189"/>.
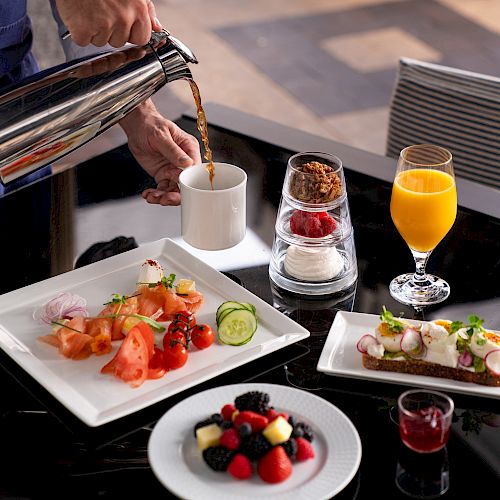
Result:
<point x="364" y="342"/>
<point x="465" y="359"/>
<point x="412" y="343"/>
<point x="492" y="362"/>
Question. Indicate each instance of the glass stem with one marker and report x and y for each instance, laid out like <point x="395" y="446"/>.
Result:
<point x="420" y="278"/>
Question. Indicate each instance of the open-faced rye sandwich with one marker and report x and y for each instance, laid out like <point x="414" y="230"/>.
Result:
<point x="440" y="348"/>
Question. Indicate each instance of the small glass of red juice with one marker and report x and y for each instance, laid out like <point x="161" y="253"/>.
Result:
<point x="425" y="419"/>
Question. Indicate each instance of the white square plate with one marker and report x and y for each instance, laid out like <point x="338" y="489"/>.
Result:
<point x="97" y="399"/>
<point x="341" y="357"/>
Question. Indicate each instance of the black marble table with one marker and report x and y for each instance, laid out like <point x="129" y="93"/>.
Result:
<point x="46" y="452"/>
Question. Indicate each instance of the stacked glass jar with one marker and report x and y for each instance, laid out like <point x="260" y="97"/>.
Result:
<point x="313" y="250"/>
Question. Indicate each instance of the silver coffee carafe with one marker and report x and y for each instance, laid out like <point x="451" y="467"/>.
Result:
<point x="58" y="110"/>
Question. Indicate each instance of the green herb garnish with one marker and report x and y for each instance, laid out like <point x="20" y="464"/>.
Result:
<point x="166" y="282"/>
<point x="456" y="325"/>
<point x="479" y="365"/>
<point x="476" y="322"/>
<point x="65" y="326"/>
<point x="394" y="325"/>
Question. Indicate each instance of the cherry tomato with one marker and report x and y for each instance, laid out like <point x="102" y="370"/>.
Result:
<point x="185" y="317"/>
<point x="177" y="326"/>
<point x="156" y="367"/>
<point x="175" y="356"/>
<point x="177" y="336"/>
<point x="202" y="336"/>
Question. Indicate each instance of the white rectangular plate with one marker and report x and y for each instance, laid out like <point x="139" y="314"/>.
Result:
<point x="97" y="399"/>
<point x="341" y="357"/>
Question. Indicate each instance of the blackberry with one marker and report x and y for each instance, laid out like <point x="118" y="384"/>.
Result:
<point x="303" y="430"/>
<point x="255" y="446"/>
<point x="218" y="458"/>
<point x="290" y="448"/>
<point x="253" y="401"/>
<point x="203" y="423"/>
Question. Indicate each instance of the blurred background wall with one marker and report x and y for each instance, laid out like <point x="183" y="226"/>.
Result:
<point x="324" y="66"/>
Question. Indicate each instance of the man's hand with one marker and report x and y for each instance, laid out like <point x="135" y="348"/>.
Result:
<point x="116" y="22"/>
<point x="162" y="149"/>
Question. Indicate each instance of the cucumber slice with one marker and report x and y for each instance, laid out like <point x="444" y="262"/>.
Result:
<point x="227" y="305"/>
<point x="230" y="304"/>
<point x="237" y="327"/>
<point x="224" y="313"/>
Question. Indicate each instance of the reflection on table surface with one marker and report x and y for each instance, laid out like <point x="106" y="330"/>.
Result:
<point x="47" y="452"/>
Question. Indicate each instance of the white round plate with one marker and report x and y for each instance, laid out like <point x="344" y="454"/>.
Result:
<point x="178" y="464"/>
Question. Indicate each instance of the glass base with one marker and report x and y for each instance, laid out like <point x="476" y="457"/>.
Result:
<point x="405" y="290"/>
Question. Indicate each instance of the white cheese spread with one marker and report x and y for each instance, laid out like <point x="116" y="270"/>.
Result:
<point x="313" y="264"/>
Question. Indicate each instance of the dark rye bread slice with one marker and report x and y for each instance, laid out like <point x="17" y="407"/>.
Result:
<point x="419" y="367"/>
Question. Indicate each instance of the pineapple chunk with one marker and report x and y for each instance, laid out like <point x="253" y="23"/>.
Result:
<point x="278" y="431"/>
<point x="208" y="436"/>
<point x="185" y="286"/>
<point x="234" y="415"/>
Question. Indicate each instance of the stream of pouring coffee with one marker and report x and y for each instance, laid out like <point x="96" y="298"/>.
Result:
<point x="203" y="129"/>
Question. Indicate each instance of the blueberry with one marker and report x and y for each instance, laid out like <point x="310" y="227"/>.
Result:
<point x="292" y="421"/>
<point x="217" y="418"/>
<point x="245" y="429"/>
<point x="227" y="424"/>
<point x="298" y="432"/>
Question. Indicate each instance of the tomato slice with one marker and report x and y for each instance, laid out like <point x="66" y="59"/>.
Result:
<point x="148" y="335"/>
<point x="156" y="367"/>
<point x="131" y="361"/>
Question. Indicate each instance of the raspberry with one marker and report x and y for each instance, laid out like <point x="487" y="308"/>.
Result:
<point x="271" y="414"/>
<point x="240" y="467"/>
<point x="227" y="411"/>
<point x="313" y="228"/>
<point x="304" y="449"/>
<point x="297" y="222"/>
<point x="230" y="439"/>
<point x="328" y="225"/>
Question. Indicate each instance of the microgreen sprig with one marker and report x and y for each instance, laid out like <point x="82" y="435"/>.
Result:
<point x="167" y="282"/>
<point x="394" y="325"/>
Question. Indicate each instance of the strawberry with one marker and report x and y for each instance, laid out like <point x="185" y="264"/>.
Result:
<point x="240" y="467"/>
<point x="283" y="414"/>
<point x="275" y="466"/>
<point x="230" y="439"/>
<point x="271" y="414"/>
<point x="227" y="411"/>
<point x="257" y="422"/>
<point x="305" y="450"/>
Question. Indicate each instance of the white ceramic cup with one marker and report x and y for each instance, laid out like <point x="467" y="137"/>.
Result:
<point x="213" y="219"/>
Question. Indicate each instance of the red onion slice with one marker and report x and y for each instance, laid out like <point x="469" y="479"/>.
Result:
<point x="492" y="362"/>
<point x="364" y="342"/>
<point x="465" y="359"/>
<point x="65" y="305"/>
<point x="412" y="344"/>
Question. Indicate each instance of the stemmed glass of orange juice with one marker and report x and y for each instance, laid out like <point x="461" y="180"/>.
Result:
<point x="423" y="209"/>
